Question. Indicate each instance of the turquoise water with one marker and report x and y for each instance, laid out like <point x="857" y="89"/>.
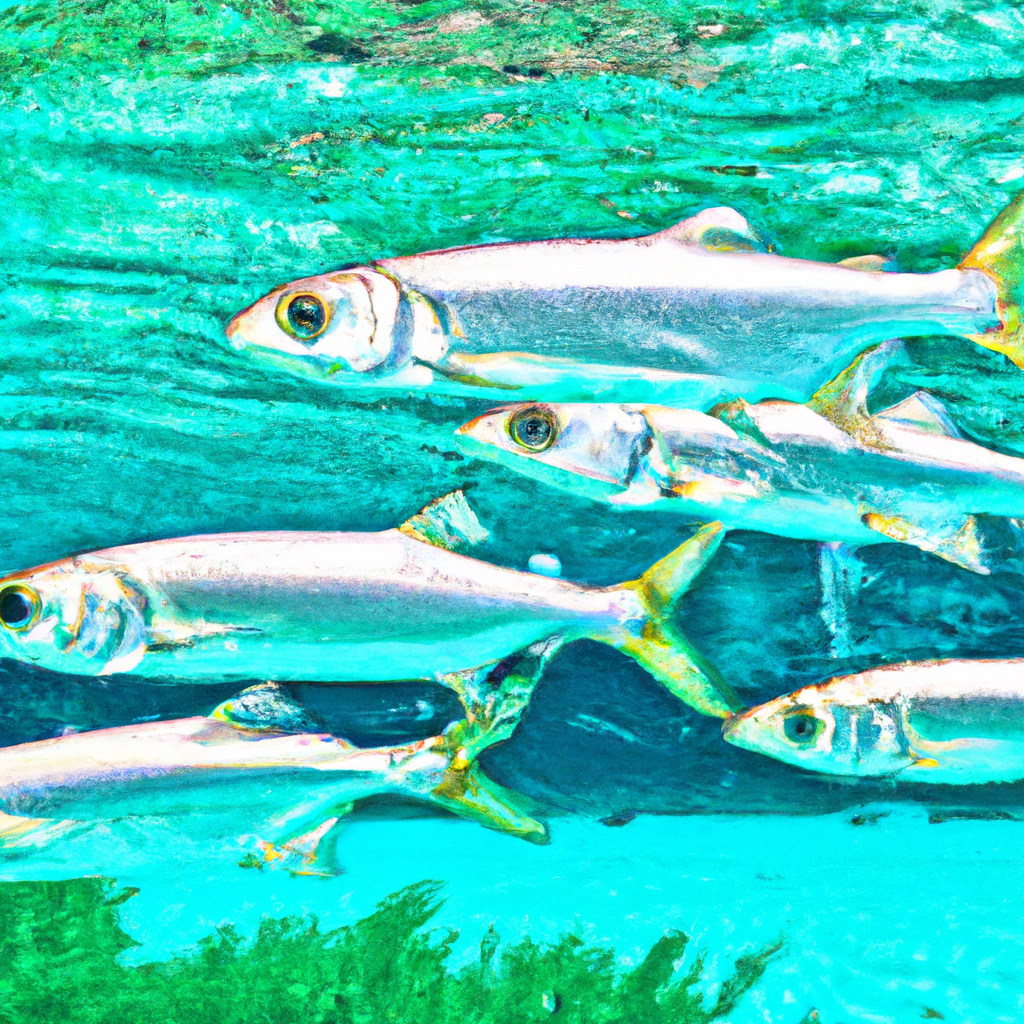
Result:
<point x="150" y="192"/>
<point x="880" y="921"/>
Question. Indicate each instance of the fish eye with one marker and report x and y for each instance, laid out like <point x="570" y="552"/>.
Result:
<point x="802" y="728"/>
<point x="533" y="429"/>
<point x="19" y="607"/>
<point x="302" y="316"/>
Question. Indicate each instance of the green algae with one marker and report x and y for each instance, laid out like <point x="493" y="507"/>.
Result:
<point x="59" y="944"/>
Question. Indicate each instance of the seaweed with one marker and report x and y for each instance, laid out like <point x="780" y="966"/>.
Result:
<point x="60" y="943"/>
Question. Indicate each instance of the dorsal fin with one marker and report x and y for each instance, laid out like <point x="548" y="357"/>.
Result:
<point x="720" y="229"/>
<point x="447" y="522"/>
<point x="844" y="400"/>
<point x="924" y="412"/>
<point x="266" y="707"/>
<point x="872" y="264"/>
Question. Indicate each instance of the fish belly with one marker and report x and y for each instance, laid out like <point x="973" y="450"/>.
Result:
<point x="296" y="654"/>
<point x="225" y="801"/>
<point x="974" y="738"/>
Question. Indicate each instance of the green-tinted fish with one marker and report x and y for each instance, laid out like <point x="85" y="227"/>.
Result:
<point x="683" y="316"/>
<point x="357" y="607"/>
<point x="951" y="722"/>
<point x="826" y="471"/>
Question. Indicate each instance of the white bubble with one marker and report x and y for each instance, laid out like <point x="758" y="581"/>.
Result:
<point x="546" y="565"/>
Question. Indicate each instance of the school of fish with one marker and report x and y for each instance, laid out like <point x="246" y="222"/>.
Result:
<point x="693" y="370"/>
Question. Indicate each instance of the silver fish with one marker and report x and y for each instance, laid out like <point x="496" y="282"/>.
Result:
<point x="685" y="315"/>
<point x="951" y="722"/>
<point x="827" y="471"/>
<point x="370" y="607"/>
<point x="260" y="763"/>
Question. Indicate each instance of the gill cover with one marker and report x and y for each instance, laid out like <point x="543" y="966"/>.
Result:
<point x="594" y="449"/>
<point x="74" y="619"/>
<point x="347" y="320"/>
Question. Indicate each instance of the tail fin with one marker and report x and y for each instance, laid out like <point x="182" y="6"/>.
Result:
<point x="1000" y="255"/>
<point x="658" y="645"/>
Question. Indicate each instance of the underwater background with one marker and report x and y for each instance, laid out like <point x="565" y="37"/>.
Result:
<point x="163" y="165"/>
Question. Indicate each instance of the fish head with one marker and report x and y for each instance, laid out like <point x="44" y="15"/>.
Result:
<point x="72" y="618"/>
<point x="345" y="321"/>
<point x="588" y="448"/>
<point x="828" y="729"/>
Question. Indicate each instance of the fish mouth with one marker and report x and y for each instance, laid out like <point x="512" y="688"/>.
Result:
<point x="733" y="728"/>
<point x="235" y="331"/>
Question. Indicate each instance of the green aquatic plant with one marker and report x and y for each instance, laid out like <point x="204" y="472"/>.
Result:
<point x="60" y="941"/>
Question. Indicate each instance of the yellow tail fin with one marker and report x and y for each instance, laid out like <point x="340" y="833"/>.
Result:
<point x="1000" y="255"/>
<point x="659" y="646"/>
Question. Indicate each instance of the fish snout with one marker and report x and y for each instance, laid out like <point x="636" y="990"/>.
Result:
<point x="238" y="330"/>
<point x="737" y="729"/>
<point x="480" y="436"/>
<point x="488" y="428"/>
<point x="471" y="428"/>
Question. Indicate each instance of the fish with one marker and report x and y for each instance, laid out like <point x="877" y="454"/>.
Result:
<point x="826" y="471"/>
<point x="338" y="607"/>
<point x="686" y="315"/>
<point x="259" y="762"/>
<point x="955" y="722"/>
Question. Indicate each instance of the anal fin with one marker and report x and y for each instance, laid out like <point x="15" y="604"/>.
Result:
<point x="962" y="544"/>
<point x="495" y="696"/>
<point x="304" y="854"/>
<point x="844" y="399"/>
<point x="469" y="793"/>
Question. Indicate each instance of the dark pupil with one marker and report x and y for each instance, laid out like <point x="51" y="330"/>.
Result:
<point x="306" y="315"/>
<point x="15" y="608"/>
<point x="800" y="727"/>
<point x="533" y="431"/>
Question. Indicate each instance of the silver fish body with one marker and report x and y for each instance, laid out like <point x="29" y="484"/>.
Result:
<point x="683" y="316"/>
<point x="314" y="606"/>
<point x="261" y="762"/>
<point x="332" y="607"/>
<point x="904" y="473"/>
<point x="190" y="766"/>
<point x="941" y="722"/>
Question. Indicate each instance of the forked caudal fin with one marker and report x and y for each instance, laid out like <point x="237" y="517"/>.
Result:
<point x="1000" y="254"/>
<point x="658" y="645"/>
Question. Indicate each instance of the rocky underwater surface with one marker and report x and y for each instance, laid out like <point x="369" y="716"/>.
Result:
<point x="164" y="165"/>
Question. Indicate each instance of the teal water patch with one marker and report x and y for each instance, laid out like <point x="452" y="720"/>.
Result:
<point x="873" y="908"/>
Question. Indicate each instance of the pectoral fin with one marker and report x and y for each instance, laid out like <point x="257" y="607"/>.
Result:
<point x="16" y="831"/>
<point x="470" y="794"/>
<point x="447" y="522"/>
<point x="961" y="543"/>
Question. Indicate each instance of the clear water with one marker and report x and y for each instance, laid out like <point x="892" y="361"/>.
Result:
<point x="149" y="192"/>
